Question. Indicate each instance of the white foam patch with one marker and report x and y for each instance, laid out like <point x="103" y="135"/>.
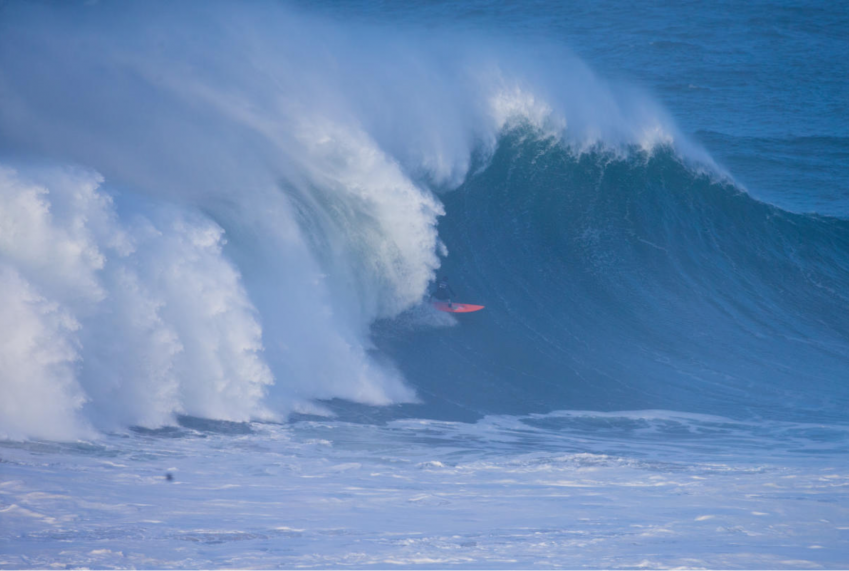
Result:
<point x="222" y="372"/>
<point x="136" y="327"/>
<point x="387" y="249"/>
<point x="39" y="351"/>
<point x="54" y="235"/>
<point x="512" y="105"/>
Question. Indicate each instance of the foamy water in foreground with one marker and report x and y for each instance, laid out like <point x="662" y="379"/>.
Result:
<point x="653" y="489"/>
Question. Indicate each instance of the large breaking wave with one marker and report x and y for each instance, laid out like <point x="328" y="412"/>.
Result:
<point x="206" y="210"/>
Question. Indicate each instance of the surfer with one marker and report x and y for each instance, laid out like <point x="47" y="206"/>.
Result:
<point x="443" y="299"/>
<point x="443" y="291"/>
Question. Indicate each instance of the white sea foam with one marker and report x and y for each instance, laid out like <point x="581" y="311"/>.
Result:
<point x="39" y="350"/>
<point x="518" y="495"/>
<point x="137" y="323"/>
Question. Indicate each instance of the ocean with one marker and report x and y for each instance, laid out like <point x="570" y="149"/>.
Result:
<point x="220" y="224"/>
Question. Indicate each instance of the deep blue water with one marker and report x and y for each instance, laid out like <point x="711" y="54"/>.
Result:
<point x="634" y="284"/>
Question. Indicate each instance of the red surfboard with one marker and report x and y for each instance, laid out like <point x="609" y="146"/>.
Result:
<point x="456" y="307"/>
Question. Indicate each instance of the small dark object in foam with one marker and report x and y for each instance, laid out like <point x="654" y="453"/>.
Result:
<point x="169" y="476"/>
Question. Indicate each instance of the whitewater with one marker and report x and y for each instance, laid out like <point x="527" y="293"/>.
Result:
<point x="220" y="224"/>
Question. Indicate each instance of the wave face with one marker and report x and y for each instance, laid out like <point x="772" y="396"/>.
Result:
<point x="627" y="281"/>
<point x="245" y="228"/>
